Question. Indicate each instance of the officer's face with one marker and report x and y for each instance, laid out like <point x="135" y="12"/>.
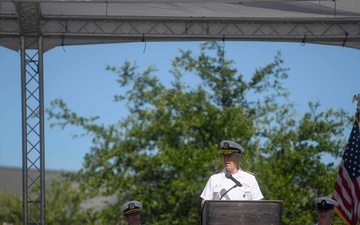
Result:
<point x="133" y="219"/>
<point x="325" y="215"/>
<point x="231" y="161"/>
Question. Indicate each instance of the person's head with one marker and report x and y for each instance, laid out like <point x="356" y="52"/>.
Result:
<point x="131" y="211"/>
<point x="325" y="207"/>
<point x="231" y="152"/>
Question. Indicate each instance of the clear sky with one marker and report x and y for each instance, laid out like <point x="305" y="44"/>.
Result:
<point x="77" y="74"/>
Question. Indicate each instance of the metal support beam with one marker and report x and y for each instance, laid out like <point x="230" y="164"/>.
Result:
<point x="32" y="94"/>
<point x="71" y="30"/>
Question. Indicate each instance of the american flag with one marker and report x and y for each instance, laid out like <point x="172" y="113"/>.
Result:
<point x="347" y="186"/>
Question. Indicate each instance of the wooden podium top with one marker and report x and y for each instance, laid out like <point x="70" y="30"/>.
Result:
<point x="261" y="212"/>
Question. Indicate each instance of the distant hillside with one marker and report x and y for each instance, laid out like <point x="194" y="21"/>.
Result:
<point x="11" y="182"/>
<point x="11" y="178"/>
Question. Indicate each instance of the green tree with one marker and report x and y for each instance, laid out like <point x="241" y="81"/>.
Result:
<point x="64" y="202"/>
<point x="164" y="150"/>
<point x="10" y="209"/>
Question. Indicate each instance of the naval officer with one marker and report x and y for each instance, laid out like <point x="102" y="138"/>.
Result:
<point x="231" y="183"/>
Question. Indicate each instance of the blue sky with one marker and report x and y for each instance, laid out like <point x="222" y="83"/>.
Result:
<point x="77" y="75"/>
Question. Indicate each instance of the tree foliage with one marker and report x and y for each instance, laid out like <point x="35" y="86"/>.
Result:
<point x="64" y="204"/>
<point x="163" y="151"/>
<point x="10" y="209"/>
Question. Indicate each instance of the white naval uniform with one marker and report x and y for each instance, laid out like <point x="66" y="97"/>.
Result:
<point x="218" y="184"/>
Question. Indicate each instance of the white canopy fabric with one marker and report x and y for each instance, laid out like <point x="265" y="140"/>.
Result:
<point x="77" y="22"/>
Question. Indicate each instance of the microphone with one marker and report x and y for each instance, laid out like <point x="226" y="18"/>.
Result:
<point x="229" y="176"/>
<point x="228" y="191"/>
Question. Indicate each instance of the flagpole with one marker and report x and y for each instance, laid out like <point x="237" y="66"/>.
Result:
<point x="357" y="98"/>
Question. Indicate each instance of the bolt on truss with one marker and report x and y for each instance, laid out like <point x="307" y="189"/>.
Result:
<point x="33" y="135"/>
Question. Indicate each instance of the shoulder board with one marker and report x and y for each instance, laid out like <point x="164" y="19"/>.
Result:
<point x="249" y="172"/>
<point x="217" y="172"/>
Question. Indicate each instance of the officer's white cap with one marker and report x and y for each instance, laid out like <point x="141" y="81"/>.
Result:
<point x="131" y="207"/>
<point x="324" y="203"/>
<point x="229" y="147"/>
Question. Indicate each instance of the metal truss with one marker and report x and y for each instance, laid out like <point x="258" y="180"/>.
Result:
<point x="33" y="135"/>
<point x="200" y="28"/>
<point x="58" y="31"/>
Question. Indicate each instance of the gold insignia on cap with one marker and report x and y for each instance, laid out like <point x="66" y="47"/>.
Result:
<point x="131" y="205"/>
<point x="226" y="145"/>
<point x="228" y="152"/>
<point x="323" y="202"/>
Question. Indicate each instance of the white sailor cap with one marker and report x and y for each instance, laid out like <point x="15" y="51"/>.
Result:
<point x="131" y="207"/>
<point x="324" y="203"/>
<point x="229" y="147"/>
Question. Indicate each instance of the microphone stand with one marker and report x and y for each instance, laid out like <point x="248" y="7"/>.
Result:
<point x="228" y="191"/>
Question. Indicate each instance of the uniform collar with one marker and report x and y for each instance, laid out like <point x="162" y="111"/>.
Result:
<point x="236" y="174"/>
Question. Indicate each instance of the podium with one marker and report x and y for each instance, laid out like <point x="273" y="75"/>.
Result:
<point x="260" y="212"/>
